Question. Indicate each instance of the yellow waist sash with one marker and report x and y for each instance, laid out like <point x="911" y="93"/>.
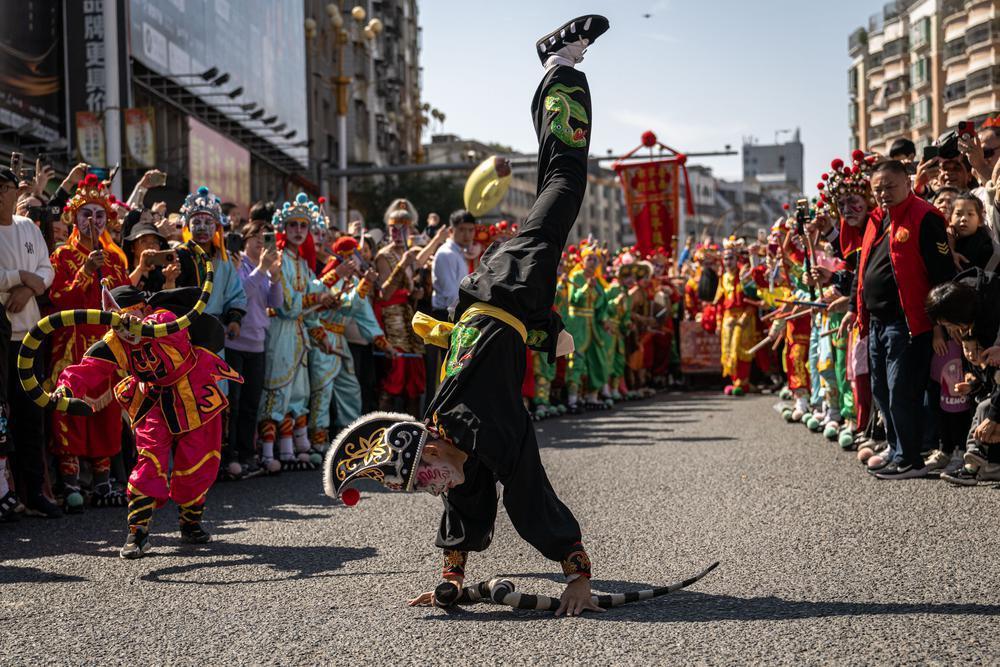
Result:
<point x="436" y="332"/>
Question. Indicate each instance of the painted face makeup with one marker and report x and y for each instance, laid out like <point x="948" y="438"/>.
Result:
<point x="296" y="231"/>
<point x="435" y="478"/>
<point x="854" y="208"/>
<point x="202" y="228"/>
<point x="398" y="234"/>
<point x="91" y="220"/>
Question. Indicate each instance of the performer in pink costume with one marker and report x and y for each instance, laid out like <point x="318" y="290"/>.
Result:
<point x="172" y="397"/>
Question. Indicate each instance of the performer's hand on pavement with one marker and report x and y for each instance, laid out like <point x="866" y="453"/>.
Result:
<point x="846" y="324"/>
<point x="577" y="598"/>
<point x="422" y="600"/>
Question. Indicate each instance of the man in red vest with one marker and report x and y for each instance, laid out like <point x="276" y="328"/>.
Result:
<point x="904" y="254"/>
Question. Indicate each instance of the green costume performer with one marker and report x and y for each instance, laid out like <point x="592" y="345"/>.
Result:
<point x="588" y="310"/>
<point x="544" y="370"/>
<point x="620" y="316"/>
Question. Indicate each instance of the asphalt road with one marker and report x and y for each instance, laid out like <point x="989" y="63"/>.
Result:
<point x="821" y="564"/>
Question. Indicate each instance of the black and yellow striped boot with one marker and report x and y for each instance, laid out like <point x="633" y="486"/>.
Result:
<point x="140" y="513"/>
<point x="190" y="520"/>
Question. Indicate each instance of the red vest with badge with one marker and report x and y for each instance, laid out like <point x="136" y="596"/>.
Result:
<point x="907" y="262"/>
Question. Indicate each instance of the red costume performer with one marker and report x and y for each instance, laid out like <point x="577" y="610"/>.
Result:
<point x="88" y="261"/>
<point x="172" y="398"/>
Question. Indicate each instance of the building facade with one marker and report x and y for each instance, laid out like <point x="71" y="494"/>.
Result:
<point x="779" y="165"/>
<point x="384" y="116"/>
<point x="921" y="66"/>
<point x="602" y="213"/>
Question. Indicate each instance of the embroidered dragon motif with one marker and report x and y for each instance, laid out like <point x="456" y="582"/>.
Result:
<point x="557" y="98"/>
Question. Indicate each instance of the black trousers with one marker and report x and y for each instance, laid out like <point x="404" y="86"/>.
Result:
<point x="364" y="370"/>
<point x="6" y="443"/>
<point x="520" y="275"/>
<point x="244" y="401"/>
<point x="27" y="431"/>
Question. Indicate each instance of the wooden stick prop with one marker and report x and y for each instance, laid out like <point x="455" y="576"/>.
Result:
<point x="501" y="591"/>
<point x="807" y="304"/>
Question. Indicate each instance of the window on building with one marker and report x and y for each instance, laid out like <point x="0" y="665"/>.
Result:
<point x="920" y="71"/>
<point x="920" y="32"/>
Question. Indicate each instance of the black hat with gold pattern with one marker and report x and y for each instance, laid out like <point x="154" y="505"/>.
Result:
<point x="383" y="446"/>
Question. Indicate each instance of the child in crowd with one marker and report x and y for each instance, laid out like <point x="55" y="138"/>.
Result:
<point x="973" y="246"/>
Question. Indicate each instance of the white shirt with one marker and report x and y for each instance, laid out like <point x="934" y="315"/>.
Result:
<point x="450" y="266"/>
<point x="22" y="248"/>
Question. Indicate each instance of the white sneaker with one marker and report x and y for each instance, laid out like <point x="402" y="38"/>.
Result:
<point x="937" y="460"/>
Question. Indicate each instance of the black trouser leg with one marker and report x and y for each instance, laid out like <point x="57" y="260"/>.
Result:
<point x="364" y="370"/>
<point x="27" y="431"/>
<point x="235" y="360"/>
<point x="520" y="275"/>
<point x="245" y="403"/>
<point x="6" y="442"/>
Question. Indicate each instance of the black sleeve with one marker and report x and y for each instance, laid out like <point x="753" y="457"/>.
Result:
<point x="852" y="307"/>
<point x="233" y="315"/>
<point x="544" y="340"/>
<point x="59" y="199"/>
<point x="935" y="250"/>
<point x="189" y="272"/>
<point x="843" y="281"/>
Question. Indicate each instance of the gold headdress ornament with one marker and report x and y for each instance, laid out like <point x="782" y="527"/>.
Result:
<point x="91" y="191"/>
<point x="400" y="212"/>
<point x="844" y="180"/>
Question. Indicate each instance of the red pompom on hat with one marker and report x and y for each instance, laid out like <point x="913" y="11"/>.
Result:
<point x="350" y="497"/>
<point x="836" y="164"/>
<point x="820" y="185"/>
<point x="786" y="206"/>
<point x="820" y="204"/>
<point x="825" y="176"/>
<point x="858" y="155"/>
<point x="91" y="179"/>
<point x="648" y="139"/>
<point x="322" y="200"/>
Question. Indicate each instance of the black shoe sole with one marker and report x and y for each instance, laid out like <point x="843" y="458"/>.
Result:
<point x="544" y="46"/>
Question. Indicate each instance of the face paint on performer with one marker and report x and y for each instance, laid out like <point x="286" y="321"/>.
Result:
<point x="91" y="220"/>
<point x="729" y="260"/>
<point x="296" y="231"/>
<point x="398" y="234"/>
<point x="854" y="209"/>
<point x="202" y="226"/>
<point x="440" y="468"/>
<point x="589" y="265"/>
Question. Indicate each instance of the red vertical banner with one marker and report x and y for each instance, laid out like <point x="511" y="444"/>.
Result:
<point x="652" y="197"/>
<point x="218" y="163"/>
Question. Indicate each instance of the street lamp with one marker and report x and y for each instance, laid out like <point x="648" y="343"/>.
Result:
<point x="344" y="32"/>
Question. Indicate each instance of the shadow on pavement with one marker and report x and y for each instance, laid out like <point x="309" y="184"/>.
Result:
<point x="694" y="607"/>
<point x="288" y="563"/>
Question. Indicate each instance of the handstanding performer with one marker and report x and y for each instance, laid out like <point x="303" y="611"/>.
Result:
<point x="476" y="429"/>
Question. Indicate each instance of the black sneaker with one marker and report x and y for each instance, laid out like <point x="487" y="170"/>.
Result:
<point x="583" y="28"/>
<point x="193" y="533"/>
<point x="41" y="506"/>
<point x="251" y="469"/>
<point x="108" y="497"/>
<point x="964" y="476"/>
<point x="8" y="505"/>
<point x="136" y="546"/>
<point x="902" y="471"/>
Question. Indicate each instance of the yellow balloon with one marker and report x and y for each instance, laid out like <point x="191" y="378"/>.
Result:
<point x="487" y="185"/>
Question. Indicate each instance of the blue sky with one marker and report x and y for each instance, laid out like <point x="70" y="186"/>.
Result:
<point x="699" y="73"/>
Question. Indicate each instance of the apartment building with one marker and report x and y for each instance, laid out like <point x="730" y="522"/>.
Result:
<point x="919" y="67"/>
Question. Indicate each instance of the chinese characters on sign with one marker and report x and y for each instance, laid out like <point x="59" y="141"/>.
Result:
<point x="90" y="138"/>
<point x="652" y="199"/>
<point x="218" y="163"/>
<point x="140" y="136"/>
<point x="93" y="49"/>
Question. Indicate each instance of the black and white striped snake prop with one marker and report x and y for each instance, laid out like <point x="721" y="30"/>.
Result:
<point x="68" y="318"/>
<point x="501" y="591"/>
